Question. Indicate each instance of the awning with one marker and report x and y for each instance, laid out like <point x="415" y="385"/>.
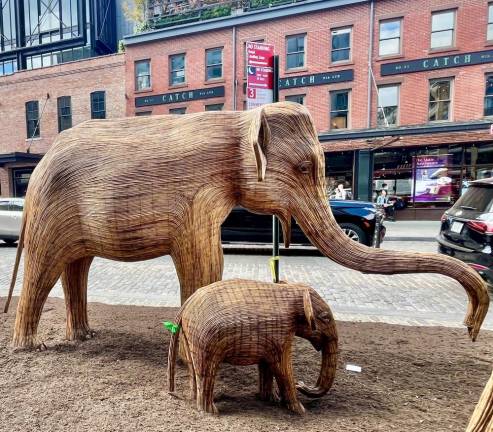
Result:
<point x="19" y="157"/>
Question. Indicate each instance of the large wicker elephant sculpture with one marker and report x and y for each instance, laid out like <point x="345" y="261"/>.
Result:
<point x="244" y="322"/>
<point x="138" y="188"/>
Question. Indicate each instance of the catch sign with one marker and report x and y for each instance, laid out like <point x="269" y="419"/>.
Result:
<point x="260" y="76"/>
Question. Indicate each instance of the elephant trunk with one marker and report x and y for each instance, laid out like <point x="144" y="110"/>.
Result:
<point x="317" y="222"/>
<point x="327" y="370"/>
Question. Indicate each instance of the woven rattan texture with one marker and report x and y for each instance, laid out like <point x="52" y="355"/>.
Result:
<point x="138" y="188"/>
<point x="244" y="322"/>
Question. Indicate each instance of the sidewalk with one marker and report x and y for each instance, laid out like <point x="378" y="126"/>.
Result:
<point x="412" y="230"/>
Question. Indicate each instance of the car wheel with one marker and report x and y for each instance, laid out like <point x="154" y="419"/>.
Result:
<point x="10" y="242"/>
<point x="354" y="232"/>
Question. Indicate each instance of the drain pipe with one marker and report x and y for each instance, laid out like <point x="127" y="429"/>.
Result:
<point x="235" y="81"/>
<point x="370" y="59"/>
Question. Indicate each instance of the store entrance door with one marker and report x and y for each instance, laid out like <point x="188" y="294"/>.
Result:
<point x="21" y="178"/>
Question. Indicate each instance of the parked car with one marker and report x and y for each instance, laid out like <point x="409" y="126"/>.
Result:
<point x="356" y="218"/>
<point x="10" y="219"/>
<point x="467" y="228"/>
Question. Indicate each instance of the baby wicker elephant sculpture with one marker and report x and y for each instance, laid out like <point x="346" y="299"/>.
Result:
<point x="244" y="322"/>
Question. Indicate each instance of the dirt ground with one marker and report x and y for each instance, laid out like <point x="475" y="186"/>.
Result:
<point x="413" y="379"/>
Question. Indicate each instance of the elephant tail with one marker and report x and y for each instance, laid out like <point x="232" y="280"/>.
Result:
<point x="173" y="348"/>
<point x="20" y="247"/>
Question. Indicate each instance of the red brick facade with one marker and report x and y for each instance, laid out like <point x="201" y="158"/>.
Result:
<point x="77" y="80"/>
<point x="468" y="81"/>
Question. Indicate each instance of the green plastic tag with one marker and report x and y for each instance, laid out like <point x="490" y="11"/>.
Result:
<point x="171" y="326"/>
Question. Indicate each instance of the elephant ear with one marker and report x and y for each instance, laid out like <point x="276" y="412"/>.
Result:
<point x="259" y="136"/>
<point x="307" y="306"/>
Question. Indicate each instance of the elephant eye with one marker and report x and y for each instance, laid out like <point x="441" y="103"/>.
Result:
<point x="305" y="167"/>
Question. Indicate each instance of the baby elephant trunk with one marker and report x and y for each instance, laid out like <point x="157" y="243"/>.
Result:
<point x="327" y="371"/>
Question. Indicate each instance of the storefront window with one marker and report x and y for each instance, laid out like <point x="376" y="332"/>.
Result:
<point x="420" y="177"/>
<point x="339" y="170"/>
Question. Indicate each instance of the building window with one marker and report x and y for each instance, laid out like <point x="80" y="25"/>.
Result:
<point x="98" y="105"/>
<point x="388" y="105"/>
<point x="341" y="45"/>
<point x="64" y="113"/>
<point x="440" y="100"/>
<point x="296" y="98"/>
<point x="177" y="69"/>
<point x="489" y="35"/>
<point x="32" y="119"/>
<point x="214" y="64"/>
<point x="339" y="109"/>
<point x="442" y="29"/>
<point x="143" y="113"/>
<point x="295" y="51"/>
<point x="488" y="96"/>
<point x="181" y="110"/>
<point x="390" y="38"/>
<point x="47" y="22"/>
<point x="142" y="75"/>
<point x="214" y="107"/>
<point x="8" y="67"/>
<point x="7" y="26"/>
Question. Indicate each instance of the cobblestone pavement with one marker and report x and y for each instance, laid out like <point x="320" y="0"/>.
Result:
<point x="402" y="299"/>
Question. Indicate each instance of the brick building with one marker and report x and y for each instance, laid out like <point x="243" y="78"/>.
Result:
<point x="415" y="123"/>
<point x="36" y="104"/>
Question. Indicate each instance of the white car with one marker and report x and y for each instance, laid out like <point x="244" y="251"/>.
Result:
<point x="10" y="219"/>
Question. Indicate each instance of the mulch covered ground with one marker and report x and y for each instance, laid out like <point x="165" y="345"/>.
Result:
<point x="413" y="379"/>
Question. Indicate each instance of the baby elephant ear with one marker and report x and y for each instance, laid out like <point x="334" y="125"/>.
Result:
<point x="259" y="136"/>
<point x="307" y="306"/>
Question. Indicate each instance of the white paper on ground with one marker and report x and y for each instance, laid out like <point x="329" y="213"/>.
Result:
<point x="353" y="368"/>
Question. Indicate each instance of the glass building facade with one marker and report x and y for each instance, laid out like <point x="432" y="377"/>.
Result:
<point x="40" y="33"/>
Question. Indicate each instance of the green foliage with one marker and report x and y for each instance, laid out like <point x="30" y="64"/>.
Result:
<point x="121" y="46"/>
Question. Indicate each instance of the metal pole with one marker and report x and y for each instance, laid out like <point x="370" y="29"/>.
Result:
<point x="275" y="221"/>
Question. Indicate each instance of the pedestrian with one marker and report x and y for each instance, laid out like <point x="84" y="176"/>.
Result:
<point x="388" y="206"/>
<point x="340" y="192"/>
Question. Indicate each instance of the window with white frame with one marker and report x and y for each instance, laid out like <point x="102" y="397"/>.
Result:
<point x="339" y="109"/>
<point x="488" y="96"/>
<point x="177" y="69"/>
<point x="388" y="105"/>
<point x="489" y="35"/>
<point x="296" y="98"/>
<point x="341" y="44"/>
<point x="443" y="29"/>
<point x="390" y="37"/>
<point x="142" y="75"/>
<point x="440" y="100"/>
<point x="295" y="51"/>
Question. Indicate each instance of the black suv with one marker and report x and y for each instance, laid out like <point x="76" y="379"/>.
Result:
<point x="467" y="228"/>
<point x="356" y="218"/>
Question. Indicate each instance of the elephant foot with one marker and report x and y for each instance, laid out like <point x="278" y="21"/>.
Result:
<point x="209" y="408"/>
<point x="296" y="407"/>
<point x="81" y="334"/>
<point x="270" y="396"/>
<point x="27" y="343"/>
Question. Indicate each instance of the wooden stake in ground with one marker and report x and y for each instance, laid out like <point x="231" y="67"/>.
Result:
<point x="142" y="187"/>
<point x="482" y="418"/>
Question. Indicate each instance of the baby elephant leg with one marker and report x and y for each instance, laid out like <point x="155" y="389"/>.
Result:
<point x="266" y="389"/>
<point x="205" y="378"/>
<point x="285" y="380"/>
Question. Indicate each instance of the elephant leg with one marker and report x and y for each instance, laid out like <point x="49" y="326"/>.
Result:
<point x="266" y="388"/>
<point x="198" y="260"/>
<point x="283" y="371"/>
<point x="40" y="275"/>
<point x="206" y="377"/>
<point x="74" y="282"/>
